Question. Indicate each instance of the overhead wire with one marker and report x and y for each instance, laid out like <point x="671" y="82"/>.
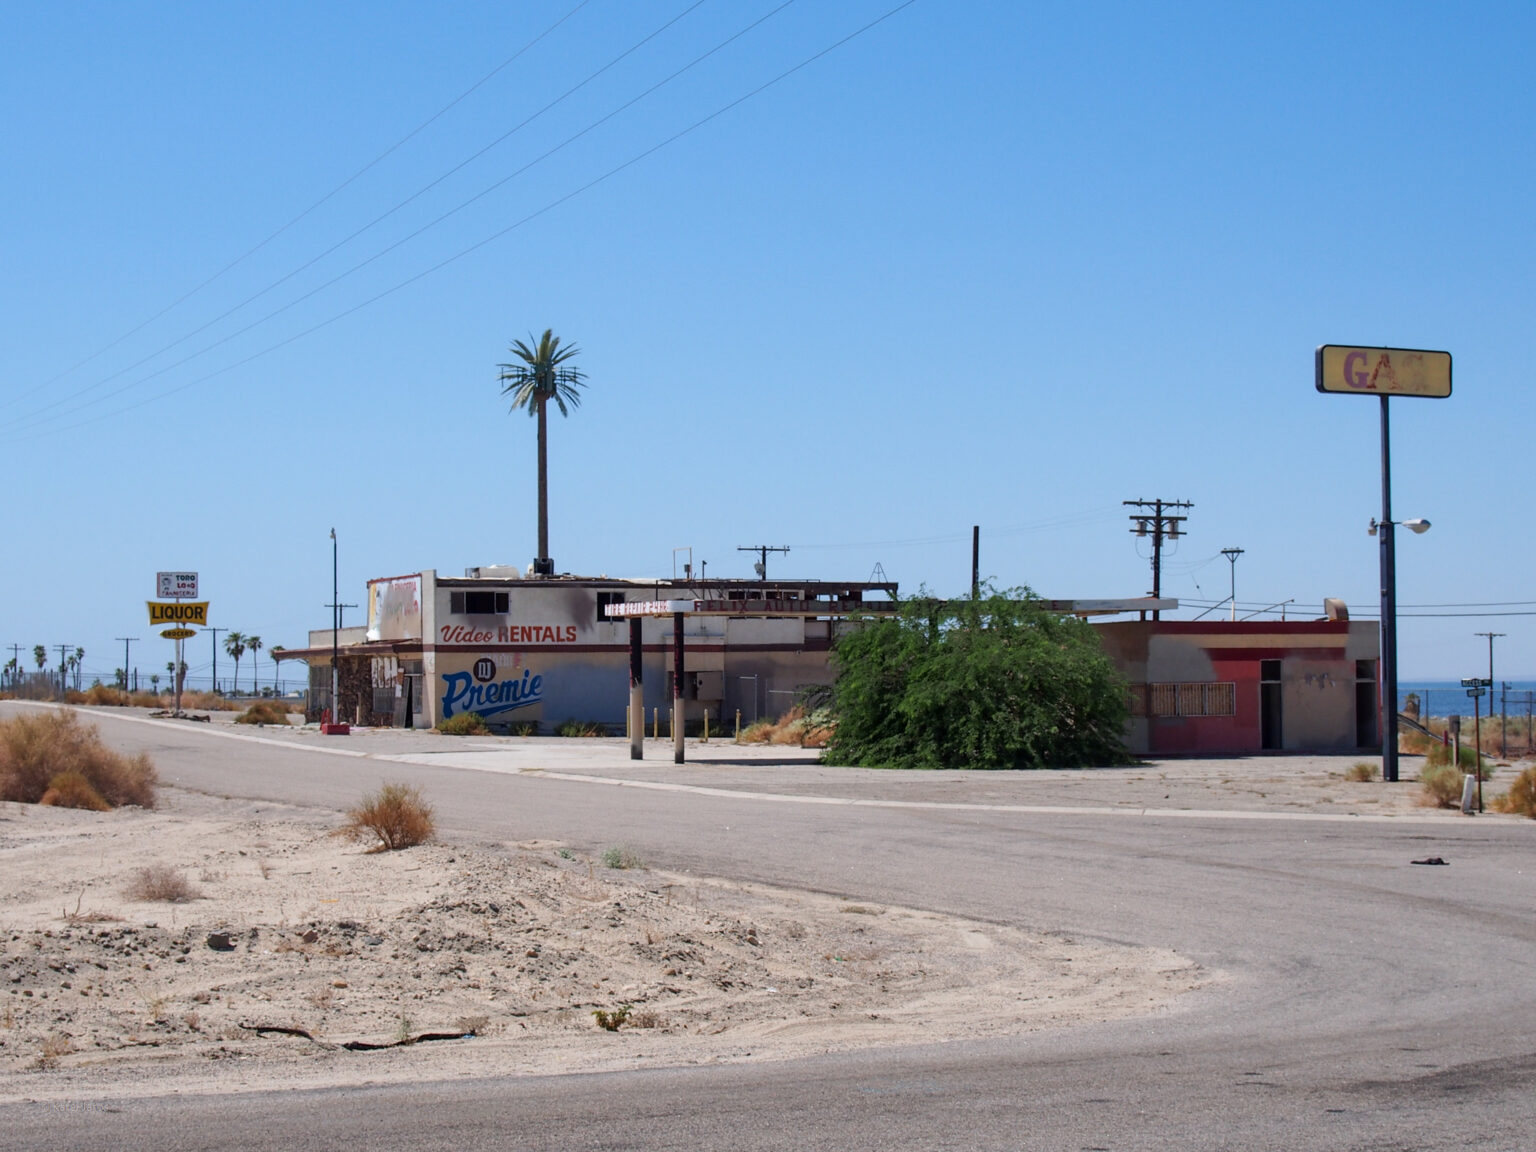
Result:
<point x="337" y="190"/>
<point x="380" y="219"/>
<point x="548" y="207"/>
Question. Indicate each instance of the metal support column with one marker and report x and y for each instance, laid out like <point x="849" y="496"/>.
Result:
<point x="677" y="687"/>
<point x="1388" y="611"/>
<point x="636" y="691"/>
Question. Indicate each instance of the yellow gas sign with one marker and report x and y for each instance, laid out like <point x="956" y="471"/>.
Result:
<point x="179" y="633"/>
<point x="178" y="613"/>
<point x="1383" y="371"/>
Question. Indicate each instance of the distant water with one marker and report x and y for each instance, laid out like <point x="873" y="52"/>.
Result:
<point x="1443" y="697"/>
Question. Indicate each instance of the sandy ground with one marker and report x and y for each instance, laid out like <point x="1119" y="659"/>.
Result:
<point x="519" y="944"/>
<point x="103" y="994"/>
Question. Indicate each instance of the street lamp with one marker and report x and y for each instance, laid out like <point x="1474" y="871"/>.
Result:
<point x="1232" y="554"/>
<point x="1388" y="710"/>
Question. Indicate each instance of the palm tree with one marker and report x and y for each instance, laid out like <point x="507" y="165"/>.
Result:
<point x="539" y="375"/>
<point x="76" y="663"/>
<point x="234" y="644"/>
<point x="253" y="645"/>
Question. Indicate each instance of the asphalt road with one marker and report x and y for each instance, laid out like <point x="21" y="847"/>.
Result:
<point x="1368" y="1003"/>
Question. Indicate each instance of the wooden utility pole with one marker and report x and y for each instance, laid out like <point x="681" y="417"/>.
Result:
<point x="1158" y="519"/>
<point x="762" y="551"/>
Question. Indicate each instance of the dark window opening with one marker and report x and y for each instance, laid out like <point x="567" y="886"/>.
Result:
<point x="479" y="603"/>
<point x="603" y="600"/>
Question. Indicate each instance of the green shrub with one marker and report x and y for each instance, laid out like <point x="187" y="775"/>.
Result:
<point x="993" y="682"/>
<point x="1439" y="755"/>
<point x="1442" y="785"/>
<point x="580" y="728"/>
<point x="464" y="724"/>
<point x="622" y="858"/>
<point x="614" y="1020"/>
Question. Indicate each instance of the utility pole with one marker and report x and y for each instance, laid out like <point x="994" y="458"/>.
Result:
<point x="762" y="550"/>
<point x="16" y="663"/>
<point x="1232" y="554"/>
<point x="215" y="632"/>
<point x="1491" y="637"/>
<point x="1154" y="518"/>
<point x="63" y="682"/>
<point x="127" y="640"/>
<point x="975" y="561"/>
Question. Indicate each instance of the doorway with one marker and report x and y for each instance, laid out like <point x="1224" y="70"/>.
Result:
<point x="1270" y="735"/>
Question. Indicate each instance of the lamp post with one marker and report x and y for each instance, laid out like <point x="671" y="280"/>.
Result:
<point x="335" y="635"/>
<point x="1232" y="554"/>
<point x="1383" y="529"/>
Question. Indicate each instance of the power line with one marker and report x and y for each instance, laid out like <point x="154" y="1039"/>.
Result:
<point x="497" y="235"/>
<point x="378" y="220"/>
<point x="238" y="260"/>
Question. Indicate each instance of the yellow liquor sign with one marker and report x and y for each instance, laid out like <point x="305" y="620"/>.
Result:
<point x="1383" y="371"/>
<point x="180" y="613"/>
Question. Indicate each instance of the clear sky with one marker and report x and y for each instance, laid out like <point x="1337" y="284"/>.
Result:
<point x="981" y="263"/>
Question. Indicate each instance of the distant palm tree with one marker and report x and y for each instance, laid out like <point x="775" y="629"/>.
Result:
<point x="253" y="644"/>
<point x="541" y="374"/>
<point x="234" y="644"/>
<point x="40" y="654"/>
<point x="76" y="664"/>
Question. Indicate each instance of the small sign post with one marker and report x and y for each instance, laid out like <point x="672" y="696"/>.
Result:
<point x="1476" y="687"/>
<point x="1385" y="372"/>
<point x="179" y="587"/>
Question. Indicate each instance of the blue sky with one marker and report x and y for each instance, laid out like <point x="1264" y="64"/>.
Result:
<point x="986" y="263"/>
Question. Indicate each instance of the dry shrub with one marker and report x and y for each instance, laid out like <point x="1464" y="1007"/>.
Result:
<point x="99" y="695"/>
<point x="1363" y="772"/>
<point x="160" y="882"/>
<point x="35" y="750"/>
<point x="73" y="790"/>
<point x="264" y="712"/>
<point x="794" y="727"/>
<point x="1520" y="800"/>
<point x="1442" y="785"/>
<point x="464" y="724"/>
<point x="759" y="733"/>
<point x="396" y="814"/>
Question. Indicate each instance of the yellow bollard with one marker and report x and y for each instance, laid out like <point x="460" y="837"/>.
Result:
<point x="738" y="725"/>
<point x="706" y="726"/>
<point x="656" y="723"/>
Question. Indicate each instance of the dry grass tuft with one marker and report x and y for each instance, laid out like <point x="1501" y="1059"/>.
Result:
<point x="264" y="712"/>
<point x="1442" y="785"/>
<point x="794" y="727"/>
<point x="1520" y="800"/>
<point x="72" y="790"/>
<point x="38" y="750"/>
<point x="396" y="814"/>
<point x="160" y="882"/>
<point x="1364" y="771"/>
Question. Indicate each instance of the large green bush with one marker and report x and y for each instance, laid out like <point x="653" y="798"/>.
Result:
<point x="996" y="682"/>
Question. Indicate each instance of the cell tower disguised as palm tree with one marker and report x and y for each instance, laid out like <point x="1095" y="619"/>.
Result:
<point x="540" y="374"/>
